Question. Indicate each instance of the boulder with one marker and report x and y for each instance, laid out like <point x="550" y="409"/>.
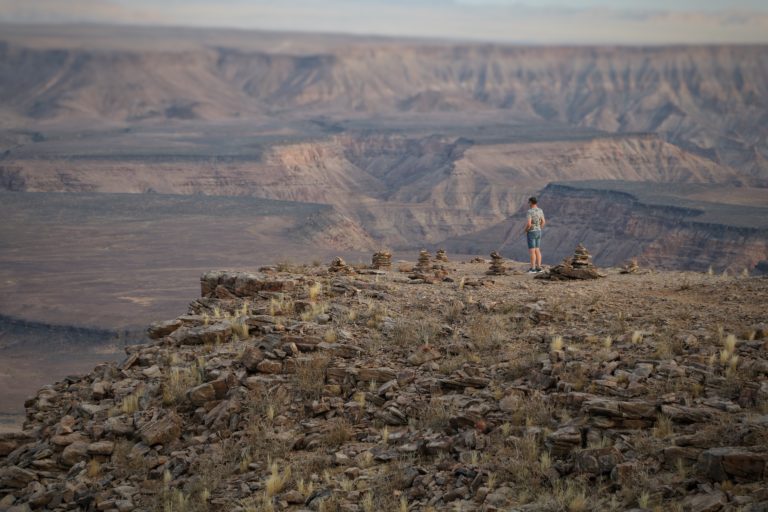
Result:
<point x="101" y="448"/>
<point x="100" y="389"/>
<point x="162" y="329"/>
<point x="201" y="394"/>
<point x="270" y="366"/>
<point x="424" y="354"/>
<point x="15" y="477"/>
<point x="711" y="502"/>
<point x="67" y="439"/>
<point x="74" y="453"/>
<point x="251" y="358"/>
<point x="597" y="461"/>
<point x="162" y="430"/>
<point x="732" y="463"/>
<point x="10" y="441"/>
<point x="682" y="414"/>
<point x="119" y="425"/>
<point x="205" y="334"/>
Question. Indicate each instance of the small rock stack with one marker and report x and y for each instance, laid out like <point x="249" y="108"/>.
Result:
<point x="581" y="257"/>
<point x="631" y="267"/>
<point x="382" y="260"/>
<point x="497" y="265"/>
<point x="425" y="262"/>
<point x="339" y="266"/>
<point x="441" y="256"/>
<point x="578" y="266"/>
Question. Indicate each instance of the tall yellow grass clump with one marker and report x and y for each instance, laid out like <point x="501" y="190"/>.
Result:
<point x="728" y="356"/>
<point x="277" y="480"/>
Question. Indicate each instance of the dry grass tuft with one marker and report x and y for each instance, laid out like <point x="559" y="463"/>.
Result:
<point x="488" y="332"/>
<point x="130" y="403"/>
<point x="434" y="415"/>
<point x="93" y="469"/>
<point x="179" y="381"/>
<point x="410" y="333"/>
<point x="330" y="336"/>
<point x="277" y="480"/>
<point x="314" y="291"/>
<point x="454" y="311"/>
<point x="663" y="427"/>
<point x="339" y="431"/>
<point x="240" y="328"/>
<point x="312" y="312"/>
<point x="557" y="344"/>
<point x="310" y="375"/>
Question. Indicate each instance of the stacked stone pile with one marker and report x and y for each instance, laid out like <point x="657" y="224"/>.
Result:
<point x="497" y="265"/>
<point x="578" y="266"/>
<point x="441" y="256"/>
<point x="424" y="264"/>
<point x="382" y="260"/>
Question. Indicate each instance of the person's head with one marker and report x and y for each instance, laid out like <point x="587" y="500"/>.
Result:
<point x="532" y="201"/>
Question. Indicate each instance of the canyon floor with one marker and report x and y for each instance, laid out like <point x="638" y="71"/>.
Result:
<point x="301" y="388"/>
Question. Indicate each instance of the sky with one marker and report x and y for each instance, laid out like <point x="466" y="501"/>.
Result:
<point x="512" y="21"/>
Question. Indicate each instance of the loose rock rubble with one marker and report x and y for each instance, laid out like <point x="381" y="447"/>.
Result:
<point x="631" y="267"/>
<point x="578" y="266"/>
<point x="330" y="391"/>
<point x="339" y="266"/>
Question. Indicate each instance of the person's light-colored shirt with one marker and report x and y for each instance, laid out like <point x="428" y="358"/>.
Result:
<point x="535" y="215"/>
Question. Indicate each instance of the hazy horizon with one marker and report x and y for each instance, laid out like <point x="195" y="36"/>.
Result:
<point x="629" y="22"/>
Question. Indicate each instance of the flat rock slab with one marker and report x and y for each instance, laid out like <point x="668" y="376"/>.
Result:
<point x="733" y="463"/>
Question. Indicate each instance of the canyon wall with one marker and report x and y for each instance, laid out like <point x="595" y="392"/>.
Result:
<point x="399" y="191"/>
<point x="709" y="100"/>
<point x="616" y="226"/>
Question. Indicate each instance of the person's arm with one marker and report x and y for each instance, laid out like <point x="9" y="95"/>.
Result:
<point x="528" y="224"/>
<point x="543" y="221"/>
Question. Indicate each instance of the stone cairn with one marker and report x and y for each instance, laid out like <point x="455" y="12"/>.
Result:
<point x="441" y="256"/>
<point x="424" y="264"/>
<point x="382" y="260"/>
<point x="578" y="266"/>
<point x="339" y="266"/>
<point x="497" y="265"/>
<point x="630" y="267"/>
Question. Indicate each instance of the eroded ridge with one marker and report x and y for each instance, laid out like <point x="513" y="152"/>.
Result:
<point x="308" y="388"/>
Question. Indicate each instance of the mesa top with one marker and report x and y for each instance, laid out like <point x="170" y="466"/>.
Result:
<point x="535" y="214"/>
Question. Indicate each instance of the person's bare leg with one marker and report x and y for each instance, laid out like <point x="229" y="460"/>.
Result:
<point x="533" y="257"/>
<point x="538" y="258"/>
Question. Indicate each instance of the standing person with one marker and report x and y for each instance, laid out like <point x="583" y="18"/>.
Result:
<point x="534" y="222"/>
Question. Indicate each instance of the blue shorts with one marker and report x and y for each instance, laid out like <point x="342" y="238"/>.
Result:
<point x="534" y="239"/>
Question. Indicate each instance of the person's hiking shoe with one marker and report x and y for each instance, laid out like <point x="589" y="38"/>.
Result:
<point x="532" y="271"/>
<point x="539" y="269"/>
